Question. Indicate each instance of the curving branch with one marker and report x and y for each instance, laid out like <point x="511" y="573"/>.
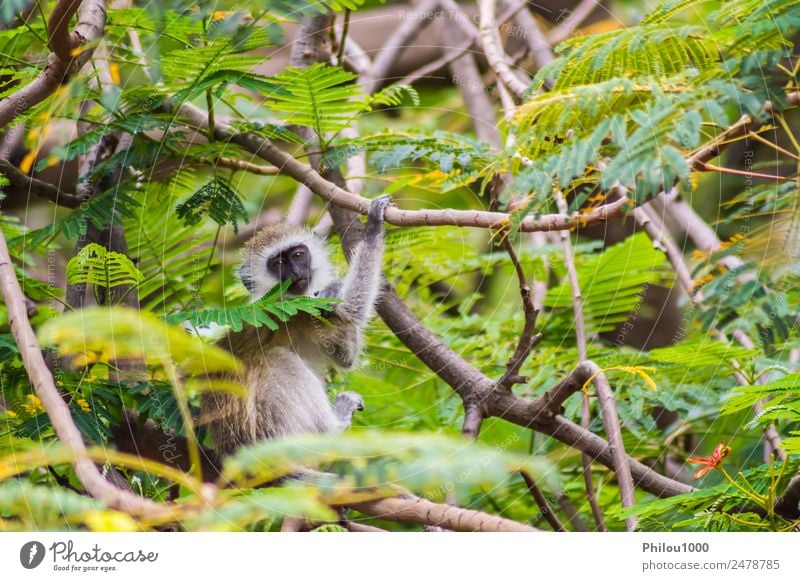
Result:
<point x="58" y="29"/>
<point x="43" y="189"/>
<point x="528" y="339"/>
<point x="91" y="22"/>
<point x="492" y="48"/>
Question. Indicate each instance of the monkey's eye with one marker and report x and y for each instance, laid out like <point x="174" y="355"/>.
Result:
<point x="299" y="254"/>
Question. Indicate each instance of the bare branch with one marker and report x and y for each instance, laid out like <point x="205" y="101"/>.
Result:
<point x="467" y="78"/>
<point x="580" y="336"/>
<point x="58" y="29"/>
<point x="91" y="21"/>
<point x="613" y="431"/>
<point x="355" y="527"/>
<point x="294" y="524"/>
<point x="23" y="182"/>
<point x="537" y="43"/>
<point x="528" y="339"/>
<point x="649" y="221"/>
<point x="473" y="418"/>
<point x="425" y="512"/>
<point x="541" y="502"/>
<point x="492" y="48"/>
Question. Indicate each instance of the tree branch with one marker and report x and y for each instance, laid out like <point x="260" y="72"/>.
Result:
<point x="538" y="497"/>
<point x="91" y="21"/>
<point x="41" y="188"/>
<point x="580" y="335"/>
<point x="330" y="192"/>
<point x="528" y="339"/>
<point x="490" y="39"/>
<point x="425" y="512"/>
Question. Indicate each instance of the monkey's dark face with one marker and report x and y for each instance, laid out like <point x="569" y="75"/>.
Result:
<point x="292" y="264"/>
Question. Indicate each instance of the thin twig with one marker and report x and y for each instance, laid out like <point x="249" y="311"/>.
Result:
<point x="528" y="339"/>
<point x="540" y="500"/>
<point x="580" y="336"/>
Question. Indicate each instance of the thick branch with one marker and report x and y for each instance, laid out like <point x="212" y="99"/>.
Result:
<point x="23" y="182"/>
<point x="425" y="512"/>
<point x="613" y="429"/>
<point x="91" y="21"/>
<point x="58" y="28"/>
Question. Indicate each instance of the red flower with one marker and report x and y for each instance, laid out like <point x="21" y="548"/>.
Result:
<point x="711" y="462"/>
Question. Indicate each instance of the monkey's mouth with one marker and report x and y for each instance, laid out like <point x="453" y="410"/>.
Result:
<point x="300" y="284"/>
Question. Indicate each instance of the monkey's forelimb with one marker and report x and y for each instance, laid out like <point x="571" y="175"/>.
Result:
<point x="362" y="284"/>
<point x="359" y="290"/>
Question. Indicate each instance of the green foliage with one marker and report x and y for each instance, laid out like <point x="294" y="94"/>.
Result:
<point x="172" y="257"/>
<point x="612" y="283"/>
<point x="243" y="511"/>
<point x="217" y="199"/>
<point x="268" y="311"/>
<point x="326" y="98"/>
<point x="97" y="266"/>
<point x="626" y="106"/>
<point x="99" y="334"/>
<point x="44" y="507"/>
<point x="421" y="462"/>
<point x="723" y="507"/>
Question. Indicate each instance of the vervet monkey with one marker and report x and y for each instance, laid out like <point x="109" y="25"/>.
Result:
<point x="284" y="370"/>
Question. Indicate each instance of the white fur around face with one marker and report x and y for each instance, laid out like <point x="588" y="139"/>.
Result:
<point x="254" y="267"/>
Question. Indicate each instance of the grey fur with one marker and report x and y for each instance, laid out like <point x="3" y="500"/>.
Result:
<point x="284" y="371"/>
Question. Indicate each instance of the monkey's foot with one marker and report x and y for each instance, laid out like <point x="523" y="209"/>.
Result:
<point x="346" y="405"/>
